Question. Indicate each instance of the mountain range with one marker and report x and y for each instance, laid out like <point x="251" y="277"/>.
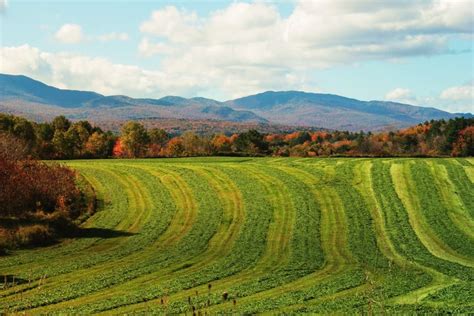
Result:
<point x="25" y="96"/>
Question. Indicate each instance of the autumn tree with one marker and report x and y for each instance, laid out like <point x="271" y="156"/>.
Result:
<point x="464" y="145"/>
<point x="174" y="148"/>
<point x="117" y="150"/>
<point x="158" y="139"/>
<point x="194" y="145"/>
<point x="301" y="138"/>
<point x="134" y="139"/>
<point x="97" y="145"/>
<point x="221" y="143"/>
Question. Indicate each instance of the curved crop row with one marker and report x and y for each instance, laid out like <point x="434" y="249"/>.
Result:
<point x="274" y="235"/>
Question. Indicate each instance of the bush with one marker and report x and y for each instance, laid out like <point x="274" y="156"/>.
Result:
<point x="38" y="201"/>
<point x="5" y="241"/>
<point x="34" y="235"/>
<point x="29" y="185"/>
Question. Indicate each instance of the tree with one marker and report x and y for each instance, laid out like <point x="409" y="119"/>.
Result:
<point x="97" y="145"/>
<point x="300" y="138"/>
<point x="20" y="128"/>
<point x="6" y="122"/>
<point x="23" y="129"/>
<point x="464" y="145"/>
<point x="158" y="136"/>
<point x="61" y="123"/>
<point x="174" y="148"/>
<point x="158" y="139"/>
<point x="134" y="139"/>
<point x="77" y="136"/>
<point x="73" y="142"/>
<point x="221" y="143"/>
<point x="44" y="135"/>
<point x="195" y="145"/>
<point x="62" y="147"/>
<point x="44" y="132"/>
<point x="117" y="151"/>
<point x="250" y="142"/>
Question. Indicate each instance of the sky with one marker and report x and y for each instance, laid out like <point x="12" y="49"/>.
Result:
<point x="412" y="51"/>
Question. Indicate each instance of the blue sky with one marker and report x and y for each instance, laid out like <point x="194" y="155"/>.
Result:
<point x="418" y="51"/>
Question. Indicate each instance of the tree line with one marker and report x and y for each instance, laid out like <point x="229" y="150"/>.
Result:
<point x="63" y="139"/>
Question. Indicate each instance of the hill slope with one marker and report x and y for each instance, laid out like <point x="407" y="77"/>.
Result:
<point x="27" y="89"/>
<point x="22" y="95"/>
<point x="25" y="96"/>
<point x="332" y="236"/>
<point x="333" y="111"/>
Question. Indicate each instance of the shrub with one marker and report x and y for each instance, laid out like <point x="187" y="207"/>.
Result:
<point x="33" y="235"/>
<point x="38" y="201"/>
<point x="29" y="185"/>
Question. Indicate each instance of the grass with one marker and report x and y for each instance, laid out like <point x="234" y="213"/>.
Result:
<point x="277" y="235"/>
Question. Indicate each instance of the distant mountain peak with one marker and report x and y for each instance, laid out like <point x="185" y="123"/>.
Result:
<point x="21" y="94"/>
<point x="19" y="86"/>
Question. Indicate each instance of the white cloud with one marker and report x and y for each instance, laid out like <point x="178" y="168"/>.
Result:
<point x="401" y="95"/>
<point x="459" y="99"/>
<point x="70" y="34"/>
<point x="465" y="93"/>
<point x="73" y="71"/>
<point x="73" y="34"/>
<point x="453" y="99"/>
<point x="249" y="47"/>
<point x="179" y="26"/>
<point x="252" y="42"/>
<point x="147" y="48"/>
<point x="22" y="59"/>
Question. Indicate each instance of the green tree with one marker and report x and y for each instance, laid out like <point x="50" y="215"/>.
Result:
<point x="158" y="136"/>
<point x="61" y="123"/>
<point x="44" y="132"/>
<point x="77" y="135"/>
<point x="62" y="147"/>
<point x="73" y="142"/>
<point x="134" y="139"/>
<point x="250" y="142"/>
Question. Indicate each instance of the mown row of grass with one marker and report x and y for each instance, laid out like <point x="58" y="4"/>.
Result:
<point x="277" y="235"/>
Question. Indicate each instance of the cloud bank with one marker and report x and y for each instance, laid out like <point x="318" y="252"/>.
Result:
<point x="459" y="99"/>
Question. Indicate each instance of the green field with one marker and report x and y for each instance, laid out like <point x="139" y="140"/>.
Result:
<point x="279" y="235"/>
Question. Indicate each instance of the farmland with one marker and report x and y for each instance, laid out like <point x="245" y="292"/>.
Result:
<point x="278" y="235"/>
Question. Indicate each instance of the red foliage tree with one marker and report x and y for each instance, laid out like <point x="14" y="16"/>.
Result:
<point x="118" y="149"/>
<point x="464" y="145"/>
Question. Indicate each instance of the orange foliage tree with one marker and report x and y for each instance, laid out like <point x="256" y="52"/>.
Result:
<point x="118" y="149"/>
